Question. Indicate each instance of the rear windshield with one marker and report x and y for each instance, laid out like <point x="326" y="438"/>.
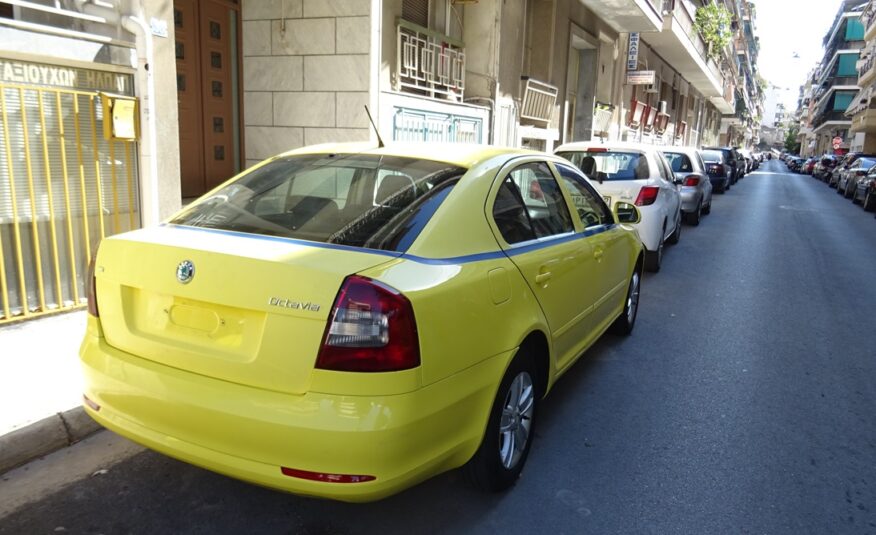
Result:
<point x="864" y="163"/>
<point x="378" y="202"/>
<point x="712" y="156"/>
<point x="679" y="162"/>
<point x="614" y="165"/>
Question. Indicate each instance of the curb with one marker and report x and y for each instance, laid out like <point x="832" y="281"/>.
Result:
<point x="50" y="434"/>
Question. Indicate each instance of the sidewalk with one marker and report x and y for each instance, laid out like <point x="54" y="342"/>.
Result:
<point x="41" y="388"/>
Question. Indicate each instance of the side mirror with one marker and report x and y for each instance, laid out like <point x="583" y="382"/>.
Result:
<point x="627" y="213"/>
<point x="677" y="180"/>
<point x="601" y="176"/>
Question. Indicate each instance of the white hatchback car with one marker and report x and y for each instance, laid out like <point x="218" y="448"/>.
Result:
<point x="636" y="174"/>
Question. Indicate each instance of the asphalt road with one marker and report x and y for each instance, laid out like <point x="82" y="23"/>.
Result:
<point x="744" y="402"/>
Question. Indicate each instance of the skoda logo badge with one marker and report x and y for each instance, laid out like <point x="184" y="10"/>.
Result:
<point x="185" y="271"/>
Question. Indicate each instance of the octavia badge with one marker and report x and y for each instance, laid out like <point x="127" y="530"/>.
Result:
<point x="185" y="271"/>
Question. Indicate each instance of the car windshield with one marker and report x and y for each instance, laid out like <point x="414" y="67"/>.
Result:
<point x="378" y="202"/>
<point x="864" y="163"/>
<point x="613" y="165"/>
<point x="712" y="156"/>
<point x="679" y="162"/>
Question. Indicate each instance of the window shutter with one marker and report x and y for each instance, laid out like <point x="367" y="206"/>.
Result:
<point x="416" y="11"/>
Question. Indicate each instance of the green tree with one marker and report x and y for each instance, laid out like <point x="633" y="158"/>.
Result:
<point x="791" y="144"/>
<point x="713" y="23"/>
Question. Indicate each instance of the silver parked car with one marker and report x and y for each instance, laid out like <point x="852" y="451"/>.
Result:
<point x="696" y="187"/>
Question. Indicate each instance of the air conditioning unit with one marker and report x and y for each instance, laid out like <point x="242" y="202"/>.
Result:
<point x="653" y="88"/>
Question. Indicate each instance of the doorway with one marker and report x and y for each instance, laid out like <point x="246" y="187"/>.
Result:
<point x="208" y="81"/>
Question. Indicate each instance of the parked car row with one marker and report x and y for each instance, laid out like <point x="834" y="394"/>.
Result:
<point x="371" y="317"/>
<point x="667" y="184"/>
<point x="853" y="175"/>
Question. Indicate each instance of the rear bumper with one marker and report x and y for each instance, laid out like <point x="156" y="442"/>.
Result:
<point x="249" y="433"/>
<point x="690" y="199"/>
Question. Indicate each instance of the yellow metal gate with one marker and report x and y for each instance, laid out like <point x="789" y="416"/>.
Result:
<point x="63" y="188"/>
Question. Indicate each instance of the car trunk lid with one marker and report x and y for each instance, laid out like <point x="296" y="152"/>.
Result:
<point x="254" y="311"/>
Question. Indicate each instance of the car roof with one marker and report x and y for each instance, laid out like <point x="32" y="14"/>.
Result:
<point x="611" y="146"/>
<point x="461" y="154"/>
<point x="685" y="150"/>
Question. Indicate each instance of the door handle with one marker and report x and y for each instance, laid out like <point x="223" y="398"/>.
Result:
<point x="543" y="277"/>
<point x="598" y="253"/>
<point x="544" y="273"/>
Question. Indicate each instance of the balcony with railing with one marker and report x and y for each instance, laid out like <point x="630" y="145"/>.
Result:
<point x="868" y="19"/>
<point x="865" y="66"/>
<point x="628" y="15"/>
<point x="429" y="63"/>
<point x="681" y="45"/>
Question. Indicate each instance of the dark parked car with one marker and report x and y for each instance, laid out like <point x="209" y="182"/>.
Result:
<point x="719" y="170"/>
<point x="825" y="166"/>
<point x="734" y="160"/>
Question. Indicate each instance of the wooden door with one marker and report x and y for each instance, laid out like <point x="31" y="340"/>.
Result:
<point x="207" y="51"/>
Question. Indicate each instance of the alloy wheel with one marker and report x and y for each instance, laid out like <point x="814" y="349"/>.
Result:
<point x="633" y="298"/>
<point x="516" y="420"/>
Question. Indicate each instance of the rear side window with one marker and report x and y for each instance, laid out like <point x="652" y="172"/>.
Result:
<point x="613" y="165"/>
<point x="510" y="215"/>
<point x="378" y="202"/>
<point x="679" y="162"/>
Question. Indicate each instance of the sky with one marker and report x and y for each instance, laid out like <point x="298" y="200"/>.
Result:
<point x="787" y="28"/>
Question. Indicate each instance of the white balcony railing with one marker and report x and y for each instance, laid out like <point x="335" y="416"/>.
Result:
<point x="430" y="63"/>
<point x="539" y="99"/>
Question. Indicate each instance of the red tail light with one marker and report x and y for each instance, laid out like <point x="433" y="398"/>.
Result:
<point x="860" y="173"/>
<point x="692" y="180"/>
<point x="325" y="478"/>
<point x="90" y="289"/>
<point x="371" y="329"/>
<point x="647" y="195"/>
<point x="716" y="169"/>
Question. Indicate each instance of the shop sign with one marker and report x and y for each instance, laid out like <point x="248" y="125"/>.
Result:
<point x="28" y="73"/>
<point x="641" y="77"/>
<point x="633" y="54"/>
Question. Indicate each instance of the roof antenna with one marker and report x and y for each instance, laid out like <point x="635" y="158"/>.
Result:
<point x="380" y="143"/>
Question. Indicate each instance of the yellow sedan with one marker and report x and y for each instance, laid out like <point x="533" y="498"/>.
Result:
<point x="345" y="321"/>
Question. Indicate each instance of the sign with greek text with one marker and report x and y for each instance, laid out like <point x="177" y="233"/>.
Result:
<point x="633" y="54"/>
<point x="641" y="77"/>
<point x="28" y="73"/>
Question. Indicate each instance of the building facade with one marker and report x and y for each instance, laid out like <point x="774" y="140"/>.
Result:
<point x="835" y="83"/>
<point x="862" y="110"/>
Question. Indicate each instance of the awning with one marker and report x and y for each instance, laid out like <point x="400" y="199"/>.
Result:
<point x="860" y="102"/>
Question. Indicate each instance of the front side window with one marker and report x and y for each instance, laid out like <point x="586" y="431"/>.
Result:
<point x="378" y="202"/>
<point x="605" y="165"/>
<point x="589" y="205"/>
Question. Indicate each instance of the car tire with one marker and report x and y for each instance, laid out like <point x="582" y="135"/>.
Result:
<point x="693" y="218"/>
<point x="847" y="193"/>
<point x="654" y="259"/>
<point x="623" y="325"/>
<point x="707" y="209"/>
<point x="676" y="234"/>
<point x="497" y="463"/>
<point x="855" y="196"/>
<point x="869" y="202"/>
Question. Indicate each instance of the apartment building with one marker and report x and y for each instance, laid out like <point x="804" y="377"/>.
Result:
<point x="836" y="82"/>
<point x="862" y="110"/>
